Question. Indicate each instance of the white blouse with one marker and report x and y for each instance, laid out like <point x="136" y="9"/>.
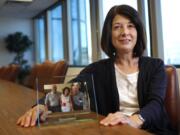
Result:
<point x="127" y="89"/>
<point x="65" y="103"/>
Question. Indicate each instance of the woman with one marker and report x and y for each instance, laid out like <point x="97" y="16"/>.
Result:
<point x="66" y="104"/>
<point x="130" y="88"/>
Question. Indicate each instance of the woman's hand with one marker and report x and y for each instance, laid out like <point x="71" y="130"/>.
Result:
<point x="114" y="119"/>
<point x="30" y="117"/>
<point x="119" y="118"/>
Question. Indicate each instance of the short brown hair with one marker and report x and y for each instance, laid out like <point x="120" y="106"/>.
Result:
<point x="66" y="88"/>
<point x="133" y="16"/>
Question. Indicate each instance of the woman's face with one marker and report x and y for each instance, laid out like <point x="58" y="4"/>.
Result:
<point x="124" y="34"/>
<point x="66" y="92"/>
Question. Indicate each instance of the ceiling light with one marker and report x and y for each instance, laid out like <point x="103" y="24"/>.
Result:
<point x="19" y="0"/>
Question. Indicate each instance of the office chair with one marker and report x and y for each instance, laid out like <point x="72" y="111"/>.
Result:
<point x="172" y="101"/>
<point x="45" y="73"/>
<point x="9" y="72"/>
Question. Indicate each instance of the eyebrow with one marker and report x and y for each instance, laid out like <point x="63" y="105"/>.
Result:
<point x="130" y="22"/>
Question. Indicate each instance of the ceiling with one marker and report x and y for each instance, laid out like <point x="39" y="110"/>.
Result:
<point x="24" y="10"/>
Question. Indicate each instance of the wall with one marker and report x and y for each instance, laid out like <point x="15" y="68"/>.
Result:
<point x="9" y="26"/>
<point x="72" y="72"/>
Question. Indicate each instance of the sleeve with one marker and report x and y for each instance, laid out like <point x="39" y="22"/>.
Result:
<point x="153" y="110"/>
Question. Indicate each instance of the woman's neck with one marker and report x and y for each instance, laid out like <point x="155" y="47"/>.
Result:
<point x="127" y="63"/>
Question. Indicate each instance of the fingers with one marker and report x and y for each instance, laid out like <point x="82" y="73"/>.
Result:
<point x="30" y="117"/>
<point x="106" y="120"/>
<point x="26" y="119"/>
<point x="20" y="120"/>
<point x="114" y="119"/>
<point x="33" y="118"/>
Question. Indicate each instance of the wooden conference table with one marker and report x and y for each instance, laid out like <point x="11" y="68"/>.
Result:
<point x="16" y="99"/>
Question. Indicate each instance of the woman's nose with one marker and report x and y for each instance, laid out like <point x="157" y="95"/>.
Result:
<point x="124" y="31"/>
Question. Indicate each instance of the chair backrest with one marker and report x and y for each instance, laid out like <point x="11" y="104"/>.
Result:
<point x="45" y="73"/>
<point x="10" y="72"/>
<point x="172" y="96"/>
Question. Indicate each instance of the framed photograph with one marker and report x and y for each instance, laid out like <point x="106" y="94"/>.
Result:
<point x="68" y="99"/>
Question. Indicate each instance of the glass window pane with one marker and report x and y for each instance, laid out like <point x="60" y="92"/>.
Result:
<point x="40" y="39"/>
<point x="147" y="28"/>
<point x="57" y="49"/>
<point x="170" y="22"/>
<point x="84" y="49"/>
<point x="80" y="29"/>
<point x="75" y="43"/>
<point x="82" y="10"/>
<point x="107" y="4"/>
<point x="74" y="7"/>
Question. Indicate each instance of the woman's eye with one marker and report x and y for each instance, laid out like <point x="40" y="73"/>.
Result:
<point x="116" y="27"/>
<point x="131" y="26"/>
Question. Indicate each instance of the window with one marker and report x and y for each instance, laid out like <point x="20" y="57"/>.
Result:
<point x="170" y="24"/>
<point x="56" y="34"/>
<point x="67" y="32"/>
<point x="80" y="29"/>
<point x="147" y="28"/>
<point x="40" y="39"/>
<point x="107" y="4"/>
<point x="49" y="35"/>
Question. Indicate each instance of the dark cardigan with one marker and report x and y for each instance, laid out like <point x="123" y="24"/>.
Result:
<point x="151" y="91"/>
